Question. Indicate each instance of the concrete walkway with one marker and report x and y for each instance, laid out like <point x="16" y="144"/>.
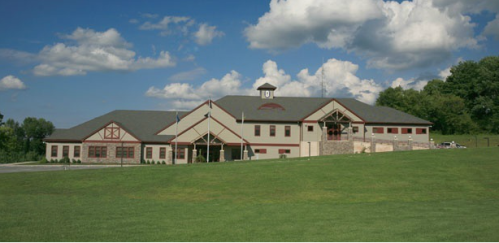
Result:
<point x="25" y="167"/>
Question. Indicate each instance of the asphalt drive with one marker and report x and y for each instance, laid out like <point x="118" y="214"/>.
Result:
<point x="23" y="167"/>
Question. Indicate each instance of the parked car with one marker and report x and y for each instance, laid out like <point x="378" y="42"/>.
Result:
<point x="448" y="145"/>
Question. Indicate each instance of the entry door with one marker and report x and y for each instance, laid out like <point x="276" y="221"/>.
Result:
<point x="334" y="132"/>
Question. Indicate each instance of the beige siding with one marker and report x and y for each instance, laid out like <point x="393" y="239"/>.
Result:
<point x="280" y="138"/>
<point x="333" y="105"/>
<point x="48" y="151"/>
<point x="199" y="114"/>
<point x="123" y="135"/>
<point x="311" y="149"/>
<point x="272" y="152"/>
<point x="420" y="138"/>
<point x="156" y="152"/>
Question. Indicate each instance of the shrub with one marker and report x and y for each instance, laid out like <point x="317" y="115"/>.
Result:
<point x="73" y="161"/>
<point x="148" y="162"/>
<point x="200" y="159"/>
<point x="282" y="156"/>
<point x="44" y="160"/>
<point x="152" y="162"/>
<point x="163" y="162"/>
<point x="64" y="160"/>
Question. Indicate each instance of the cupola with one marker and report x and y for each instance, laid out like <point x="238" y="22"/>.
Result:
<point x="267" y="91"/>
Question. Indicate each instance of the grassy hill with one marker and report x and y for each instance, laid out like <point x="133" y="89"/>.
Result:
<point x="437" y="195"/>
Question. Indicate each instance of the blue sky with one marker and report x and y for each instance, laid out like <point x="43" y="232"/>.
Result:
<point x="71" y="61"/>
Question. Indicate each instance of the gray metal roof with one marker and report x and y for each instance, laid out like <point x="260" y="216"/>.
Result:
<point x="297" y="108"/>
<point x="380" y="114"/>
<point x="267" y="86"/>
<point x="142" y="124"/>
<point x="145" y="124"/>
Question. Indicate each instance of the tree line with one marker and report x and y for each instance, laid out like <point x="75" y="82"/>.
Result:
<point x="467" y="102"/>
<point x="23" y="142"/>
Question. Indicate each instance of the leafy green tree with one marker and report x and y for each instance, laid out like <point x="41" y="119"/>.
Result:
<point x="35" y="131"/>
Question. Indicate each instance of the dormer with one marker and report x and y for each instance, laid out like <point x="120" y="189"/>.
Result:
<point x="267" y="91"/>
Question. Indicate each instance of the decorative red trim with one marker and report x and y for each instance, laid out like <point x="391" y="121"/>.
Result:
<point x="270" y="106"/>
<point x="100" y="141"/>
<point x="348" y="109"/>
<point x="229" y="129"/>
<point x="48" y="140"/>
<point x="204" y="103"/>
<point x="270" y="130"/>
<point x="399" y="123"/>
<point x="275" y="144"/>
<point x="259" y="130"/>
<point x="52" y="150"/>
<point x="195" y="124"/>
<point x="316" y="110"/>
<point x="187" y="129"/>
<point x="107" y="124"/>
<point x="182" y="117"/>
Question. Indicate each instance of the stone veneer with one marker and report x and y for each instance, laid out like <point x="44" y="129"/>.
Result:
<point x="337" y="147"/>
<point x="111" y="153"/>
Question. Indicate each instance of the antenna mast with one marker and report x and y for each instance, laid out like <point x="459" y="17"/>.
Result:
<point x="323" y="87"/>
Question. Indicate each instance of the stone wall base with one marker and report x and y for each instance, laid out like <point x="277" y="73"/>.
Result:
<point x="337" y="147"/>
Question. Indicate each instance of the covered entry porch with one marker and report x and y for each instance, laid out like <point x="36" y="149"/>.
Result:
<point x="217" y="151"/>
<point x="336" y="126"/>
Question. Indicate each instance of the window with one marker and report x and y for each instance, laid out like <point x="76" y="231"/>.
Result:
<point x="162" y="153"/>
<point x="260" y="151"/>
<point x="180" y="153"/>
<point x="393" y="130"/>
<point x="257" y="130"/>
<point x="97" y="152"/>
<point x="112" y="133"/>
<point x="420" y="130"/>
<point x="126" y="152"/>
<point x="149" y="153"/>
<point x="406" y="130"/>
<point x="284" y="151"/>
<point x="54" y="151"/>
<point x="76" y="152"/>
<point x="65" y="151"/>
<point x="355" y="129"/>
<point x="287" y="131"/>
<point x="310" y="128"/>
<point x="378" y="130"/>
<point x="272" y="130"/>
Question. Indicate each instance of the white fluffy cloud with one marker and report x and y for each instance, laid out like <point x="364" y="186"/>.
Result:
<point x="339" y="77"/>
<point x="492" y="28"/>
<point x="206" y="34"/>
<point x="95" y="51"/>
<point x="11" y="82"/>
<point x="409" y="84"/>
<point x="184" y="95"/>
<point x="391" y="35"/>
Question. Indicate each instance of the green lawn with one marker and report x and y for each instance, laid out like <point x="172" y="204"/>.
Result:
<point x="437" y="195"/>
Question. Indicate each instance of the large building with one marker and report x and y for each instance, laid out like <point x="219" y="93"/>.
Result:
<point x="264" y="126"/>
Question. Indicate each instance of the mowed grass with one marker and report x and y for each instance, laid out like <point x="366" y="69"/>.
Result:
<point x="437" y="195"/>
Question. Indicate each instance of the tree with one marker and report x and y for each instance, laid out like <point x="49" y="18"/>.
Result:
<point x="478" y="84"/>
<point x="35" y="131"/>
